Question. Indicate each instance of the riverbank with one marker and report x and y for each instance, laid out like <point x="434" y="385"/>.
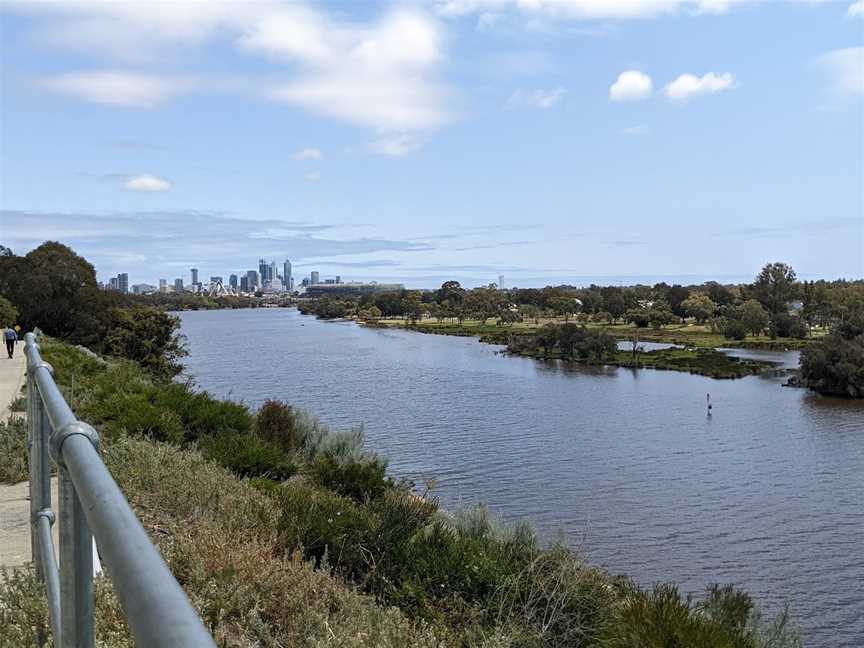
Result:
<point x="285" y="533"/>
<point x="689" y="335"/>
<point x="698" y="356"/>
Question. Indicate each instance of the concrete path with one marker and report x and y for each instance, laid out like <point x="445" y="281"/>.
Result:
<point x="11" y="377"/>
<point x="14" y="499"/>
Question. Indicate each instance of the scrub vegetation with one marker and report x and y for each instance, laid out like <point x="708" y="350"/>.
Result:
<point x="286" y="533"/>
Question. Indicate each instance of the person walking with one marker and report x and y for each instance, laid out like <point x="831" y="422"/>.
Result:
<point x="11" y="338"/>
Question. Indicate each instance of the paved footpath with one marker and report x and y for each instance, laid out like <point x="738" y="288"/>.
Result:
<point x="15" y="498"/>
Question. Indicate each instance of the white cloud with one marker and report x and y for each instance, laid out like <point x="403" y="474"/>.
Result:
<point x="845" y="70"/>
<point x="147" y="183"/>
<point x="309" y="154"/>
<point x="379" y="73"/>
<point x="631" y="85"/>
<point x="543" y="99"/>
<point x="312" y="177"/>
<point x="689" y="85"/>
<point x="115" y="88"/>
<point x="640" y="129"/>
<point x="587" y="9"/>
<point x="856" y="9"/>
<point x="395" y="144"/>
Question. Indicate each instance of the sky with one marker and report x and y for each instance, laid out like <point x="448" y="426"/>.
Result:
<point x="548" y="141"/>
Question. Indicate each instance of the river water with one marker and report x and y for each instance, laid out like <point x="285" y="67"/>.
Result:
<point x="767" y="493"/>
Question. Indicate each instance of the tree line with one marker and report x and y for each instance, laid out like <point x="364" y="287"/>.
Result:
<point x="55" y="290"/>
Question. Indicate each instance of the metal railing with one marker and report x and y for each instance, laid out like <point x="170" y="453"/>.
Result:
<point x="91" y="506"/>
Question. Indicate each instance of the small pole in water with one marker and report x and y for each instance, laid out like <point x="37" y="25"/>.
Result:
<point x="708" y="402"/>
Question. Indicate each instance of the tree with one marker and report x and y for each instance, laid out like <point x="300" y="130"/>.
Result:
<point x="614" y="302"/>
<point x="835" y="364"/>
<point x="412" y="307"/>
<point x="699" y="306"/>
<point x="754" y="317"/>
<point x="450" y="292"/>
<point x="148" y="336"/>
<point x="774" y="288"/>
<point x="660" y="315"/>
<point x="8" y="313"/>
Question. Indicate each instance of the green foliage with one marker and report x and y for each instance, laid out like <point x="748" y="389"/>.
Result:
<point x="246" y="455"/>
<point x="735" y="329"/>
<point x="835" y="365"/>
<point x="200" y="413"/>
<point x="136" y="413"/>
<point x="661" y="618"/>
<point x="277" y="424"/>
<point x="359" y="479"/>
<point x="8" y="313"/>
<point x="55" y="290"/>
<point x="13" y="450"/>
<point x="699" y="306"/>
<point x="754" y="317"/>
<point x="568" y="341"/>
<point x="146" y="336"/>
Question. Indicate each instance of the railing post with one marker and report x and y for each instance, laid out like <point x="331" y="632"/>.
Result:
<point x="76" y="569"/>
<point x="40" y="464"/>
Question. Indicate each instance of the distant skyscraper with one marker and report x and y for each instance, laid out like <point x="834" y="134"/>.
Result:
<point x="163" y="285"/>
<point x="314" y="277"/>
<point x="338" y="279"/>
<point x="271" y="271"/>
<point x="263" y="271"/>
<point x="178" y="284"/>
<point x="501" y="282"/>
<point x="123" y="282"/>
<point x="114" y="283"/>
<point x="244" y="284"/>
<point x="194" y="276"/>
<point x="253" y="280"/>
<point x="286" y="274"/>
<point x="232" y="281"/>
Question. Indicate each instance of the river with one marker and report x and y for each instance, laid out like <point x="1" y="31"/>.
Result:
<point x="766" y="493"/>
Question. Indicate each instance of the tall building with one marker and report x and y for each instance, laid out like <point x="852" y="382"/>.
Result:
<point x="123" y="282"/>
<point x="253" y="280"/>
<point x="178" y="284"/>
<point x="244" y="284"/>
<point x="114" y="283"/>
<point x="271" y="271"/>
<point x="194" y="276"/>
<point x="214" y="280"/>
<point x="263" y="271"/>
<point x="314" y="277"/>
<point x="286" y="274"/>
<point x="232" y="281"/>
<point x="163" y="285"/>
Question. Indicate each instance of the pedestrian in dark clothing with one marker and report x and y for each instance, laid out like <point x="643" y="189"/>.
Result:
<point x="11" y="338"/>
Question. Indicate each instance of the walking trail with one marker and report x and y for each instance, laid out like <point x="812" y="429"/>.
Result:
<point x="14" y="498"/>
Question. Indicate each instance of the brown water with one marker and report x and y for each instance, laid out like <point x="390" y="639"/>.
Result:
<point x="767" y="493"/>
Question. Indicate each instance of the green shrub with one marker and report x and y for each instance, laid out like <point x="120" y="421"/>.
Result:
<point x="663" y="618"/>
<point x="277" y="424"/>
<point x="359" y="479"/>
<point x="135" y="414"/>
<point x="247" y="456"/>
<point x="201" y="414"/>
<point x="322" y="523"/>
<point x="13" y="451"/>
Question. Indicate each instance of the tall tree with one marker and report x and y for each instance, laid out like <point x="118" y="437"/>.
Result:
<point x="775" y="287"/>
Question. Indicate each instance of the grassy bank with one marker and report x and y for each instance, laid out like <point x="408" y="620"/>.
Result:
<point x="700" y="356"/>
<point x="690" y="334"/>
<point x="285" y="533"/>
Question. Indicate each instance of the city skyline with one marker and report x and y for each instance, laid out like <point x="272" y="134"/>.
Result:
<point x="545" y="141"/>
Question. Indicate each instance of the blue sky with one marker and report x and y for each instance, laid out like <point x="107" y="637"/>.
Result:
<point x="545" y="140"/>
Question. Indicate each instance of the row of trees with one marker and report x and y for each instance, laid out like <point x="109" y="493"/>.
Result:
<point x="55" y="290"/>
<point x="775" y="303"/>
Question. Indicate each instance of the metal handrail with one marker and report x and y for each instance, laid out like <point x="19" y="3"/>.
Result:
<point x="91" y="506"/>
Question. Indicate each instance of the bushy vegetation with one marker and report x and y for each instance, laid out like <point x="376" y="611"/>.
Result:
<point x="835" y="365"/>
<point x="284" y="533"/>
<point x="55" y="290"/>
